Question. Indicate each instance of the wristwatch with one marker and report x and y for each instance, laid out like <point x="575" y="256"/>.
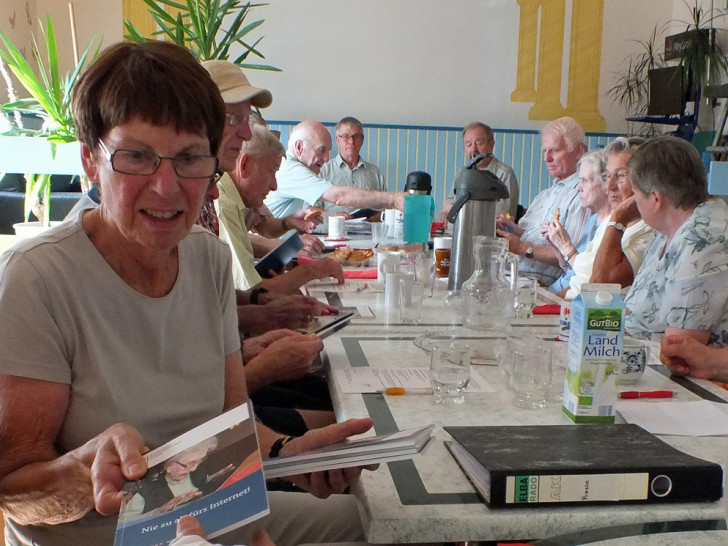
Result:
<point x="617" y="226"/>
<point x="529" y="253"/>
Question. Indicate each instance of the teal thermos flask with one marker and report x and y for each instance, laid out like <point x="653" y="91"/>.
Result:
<point x="419" y="207"/>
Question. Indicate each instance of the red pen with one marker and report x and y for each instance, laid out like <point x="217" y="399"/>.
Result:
<point x="647" y="394"/>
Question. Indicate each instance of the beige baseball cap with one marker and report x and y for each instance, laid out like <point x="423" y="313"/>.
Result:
<point x="234" y="86"/>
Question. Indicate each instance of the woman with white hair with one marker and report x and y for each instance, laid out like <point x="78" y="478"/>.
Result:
<point x="575" y="261"/>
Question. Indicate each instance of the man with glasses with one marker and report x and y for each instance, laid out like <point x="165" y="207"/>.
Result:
<point x="239" y="97"/>
<point x="348" y="168"/>
<point x="293" y="311"/>
<point x="300" y="183"/>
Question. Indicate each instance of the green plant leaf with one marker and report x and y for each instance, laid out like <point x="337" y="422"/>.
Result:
<point x="198" y="26"/>
<point x="50" y="93"/>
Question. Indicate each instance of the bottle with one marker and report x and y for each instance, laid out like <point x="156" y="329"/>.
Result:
<point x="419" y="207"/>
<point x="418" y="211"/>
<point x="443" y="246"/>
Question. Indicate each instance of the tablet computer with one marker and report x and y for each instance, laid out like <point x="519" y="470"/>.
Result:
<point x="281" y="255"/>
<point x="327" y="324"/>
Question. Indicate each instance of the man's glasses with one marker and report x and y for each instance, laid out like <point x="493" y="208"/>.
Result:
<point x="145" y="163"/>
<point x="236" y="119"/>
<point x="621" y="176"/>
<point x="355" y="138"/>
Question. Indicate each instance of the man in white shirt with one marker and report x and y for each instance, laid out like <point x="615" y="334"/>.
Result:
<point x="563" y="144"/>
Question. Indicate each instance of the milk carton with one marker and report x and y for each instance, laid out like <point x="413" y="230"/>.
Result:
<point x="595" y="350"/>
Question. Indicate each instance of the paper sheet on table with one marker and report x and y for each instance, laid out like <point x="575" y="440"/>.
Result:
<point x="701" y="418"/>
<point x="361" y="380"/>
<point x="351" y="285"/>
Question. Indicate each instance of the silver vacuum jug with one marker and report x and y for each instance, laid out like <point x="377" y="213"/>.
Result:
<point x="473" y="213"/>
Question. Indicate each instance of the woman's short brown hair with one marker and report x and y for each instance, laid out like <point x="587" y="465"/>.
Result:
<point x="159" y="82"/>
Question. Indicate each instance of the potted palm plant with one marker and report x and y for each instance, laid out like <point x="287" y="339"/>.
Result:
<point x="50" y="99"/>
<point x="198" y="26"/>
<point x="695" y="49"/>
<point x="700" y="54"/>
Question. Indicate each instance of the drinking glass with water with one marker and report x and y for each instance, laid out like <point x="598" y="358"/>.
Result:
<point x="450" y="372"/>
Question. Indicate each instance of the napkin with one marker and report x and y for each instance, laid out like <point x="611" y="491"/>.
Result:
<point x="360" y="274"/>
<point x="547" y="309"/>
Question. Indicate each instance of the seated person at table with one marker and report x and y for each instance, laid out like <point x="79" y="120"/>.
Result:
<point x="478" y="139"/>
<point x="245" y="188"/>
<point x="576" y="262"/>
<point x="272" y="311"/>
<point x="563" y="144"/>
<point x="119" y="330"/>
<point x="285" y="396"/>
<point x="685" y="355"/>
<point x="300" y="183"/>
<point x="625" y="237"/>
<point x="619" y="244"/>
<point x="348" y="168"/>
<point x="679" y="287"/>
<point x="266" y="228"/>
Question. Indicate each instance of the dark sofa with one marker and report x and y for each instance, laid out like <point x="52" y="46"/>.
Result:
<point x="65" y="192"/>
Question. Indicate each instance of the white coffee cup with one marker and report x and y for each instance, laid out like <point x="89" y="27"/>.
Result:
<point x="394" y="220"/>
<point x="635" y="355"/>
<point x="337" y="228"/>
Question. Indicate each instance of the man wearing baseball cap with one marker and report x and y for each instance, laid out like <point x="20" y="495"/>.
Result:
<point x="299" y="516"/>
<point x="239" y="97"/>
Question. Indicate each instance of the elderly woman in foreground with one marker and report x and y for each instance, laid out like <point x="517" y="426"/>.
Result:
<point x="119" y="330"/>
<point x="680" y="287"/>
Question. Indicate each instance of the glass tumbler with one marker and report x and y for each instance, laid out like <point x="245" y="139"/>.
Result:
<point x="450" y="372"/>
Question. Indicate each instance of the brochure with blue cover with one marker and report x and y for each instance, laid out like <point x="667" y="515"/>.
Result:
<point x="213" y="472"/>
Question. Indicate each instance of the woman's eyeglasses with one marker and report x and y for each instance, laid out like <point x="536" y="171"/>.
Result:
<point x="141" y="163"/>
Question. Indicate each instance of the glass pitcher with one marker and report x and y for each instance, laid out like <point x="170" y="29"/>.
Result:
<point x="487" y="294"/>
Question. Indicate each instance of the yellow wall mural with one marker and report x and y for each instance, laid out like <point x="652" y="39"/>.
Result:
<point x="541" y="52"/>
<point x="137" y="12"/>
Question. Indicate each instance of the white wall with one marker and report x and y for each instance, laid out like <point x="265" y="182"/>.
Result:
<point x="419" y="62"/>
<point x="99" y="19"/>
<point x="436" y="62"/>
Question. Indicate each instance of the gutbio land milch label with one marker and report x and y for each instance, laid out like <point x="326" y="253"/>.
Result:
<point x="595" y="350"/>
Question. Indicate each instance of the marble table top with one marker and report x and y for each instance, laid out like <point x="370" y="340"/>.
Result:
<point x="430" y="499"/>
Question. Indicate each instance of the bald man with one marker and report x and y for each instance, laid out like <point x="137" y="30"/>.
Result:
<point x="300" y="183"/>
